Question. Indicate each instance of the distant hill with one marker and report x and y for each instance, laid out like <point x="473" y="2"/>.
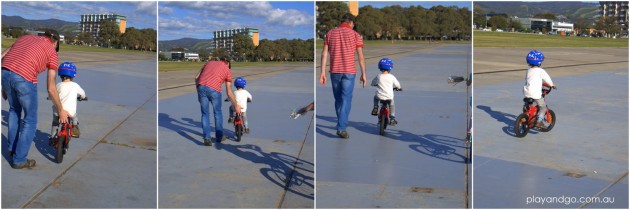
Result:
<point x="571" y="10"/>
<point x="191" y="44"/>
<point x="59" y="25"/>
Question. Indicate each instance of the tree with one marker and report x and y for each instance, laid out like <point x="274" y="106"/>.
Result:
<point x="178" y="49"/>
<point x="479" y="17"/>
<point x="369" y="22"/>
<point x="608" y="24"/>
<point x="243" y="46"/>
<point x="516" y="25"/>
<point x="497" y="22"/>
<point x="220" y="52"/>
<point x="330" y="14"/>
<point x="16" y="32"/>
<point x="109" y="33"/>
<point x="131" y="39"/>
<point x="85" y="38"/>
<point x="546" y="15"/>
<point x="149" y="39"/>
<point x="5" y="29"/>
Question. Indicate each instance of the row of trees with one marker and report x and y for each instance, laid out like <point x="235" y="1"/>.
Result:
<point x="109" y="36"/>
<point x="270" y="50"/>
<point x="397" y="22"/>
<point x="604" y="25"/>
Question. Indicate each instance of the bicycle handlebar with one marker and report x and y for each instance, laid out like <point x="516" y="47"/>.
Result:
<point x="398" y="89"/>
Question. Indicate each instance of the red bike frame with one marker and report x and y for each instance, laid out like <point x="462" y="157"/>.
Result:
<point x="532" y="110"/>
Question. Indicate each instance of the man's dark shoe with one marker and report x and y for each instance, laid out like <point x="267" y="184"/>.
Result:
<point x="207" y="142"/>
<point x="343" y="134"/>
<point x="28" y="164"/>
<point x="375" y="111"/>
<point x="393" y="121"/>
<point x="221" y="139"/>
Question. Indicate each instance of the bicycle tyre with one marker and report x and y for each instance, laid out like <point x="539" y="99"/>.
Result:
<point x="382" y="125"/>
<point x="520" y="126"/>
<point x="61" y="140"/>
<point x="239" y="132"/>
<point x="551" y="115"/>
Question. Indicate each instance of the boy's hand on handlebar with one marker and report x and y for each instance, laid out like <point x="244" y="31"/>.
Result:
<point x="398" y="89"/>
<point x="554" y="87"/>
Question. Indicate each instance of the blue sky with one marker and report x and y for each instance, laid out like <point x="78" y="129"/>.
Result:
<point x="140" y="14"/>
<point x="425" y="4"/>
<point x="274" y="20"/>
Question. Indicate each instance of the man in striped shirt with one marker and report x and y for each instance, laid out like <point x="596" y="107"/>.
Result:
<point x="342" y="43"/>
<point x="209" y="81"/>
<point x="29" y="56"/>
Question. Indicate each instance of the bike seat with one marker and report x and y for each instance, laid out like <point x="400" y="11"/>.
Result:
<point x="528" y="100"/>
<point x="385" y="101"/>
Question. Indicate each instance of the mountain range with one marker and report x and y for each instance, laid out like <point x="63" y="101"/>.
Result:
<point x="571" y="10"/>
<point x="59" y="25"/>
<point x="191" y="44"/>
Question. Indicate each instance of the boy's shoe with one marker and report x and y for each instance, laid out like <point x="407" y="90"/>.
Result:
<point x="75" y="131"/>
<point x="343" y="134"/>
<point x="375" y="111"/>
<point x="221" y="139"/>
<point x="231" y="120"/>
<point x="207" y="142"/>
<point x="28" y="164"/>
<point x="393" y="121"/>
<point x="540" y="125"/>
<point x="246" y="130"/>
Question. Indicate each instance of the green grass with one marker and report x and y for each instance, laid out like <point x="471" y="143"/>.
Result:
<point x="504" y="39"/>
<point x="179" y="66"/>
<point x="7" y="42"/>
<point x="319" y="44"/>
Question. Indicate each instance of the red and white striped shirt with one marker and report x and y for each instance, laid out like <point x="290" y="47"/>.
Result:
<point x="343" y="43"/>
<point x="214" y="74"/>
<point x="31" y="55"/>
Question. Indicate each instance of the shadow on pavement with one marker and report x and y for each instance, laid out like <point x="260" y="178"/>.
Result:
<point x="506" y="118"/>
<point x="181" y="128"/>
<point x="279" y="169"/>
<point x="437" y="146"/>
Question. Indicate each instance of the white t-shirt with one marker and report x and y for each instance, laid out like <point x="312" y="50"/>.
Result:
<point x="241" y="98"/>
<point x="385" y="84"/>
<point x="68" y="92"/>
<point x="534" y="82"/>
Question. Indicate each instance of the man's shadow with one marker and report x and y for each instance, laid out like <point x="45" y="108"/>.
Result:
<point x="182" y="128"/>
<point x="508" y="119"/>
<point x="279" y="168"/>
<point x="437" y="146"/>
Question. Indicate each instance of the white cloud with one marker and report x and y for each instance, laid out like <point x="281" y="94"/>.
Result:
<point x="166" y="10"/>
<point x="175" y="25"/>
<point x="146" y="7"/>
<point x="227" y="10"/>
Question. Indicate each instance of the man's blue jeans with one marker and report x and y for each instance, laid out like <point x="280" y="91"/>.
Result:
<point x="22" y="96"/>
<point x="342" y="85"/>
<point x="207" y="96"/>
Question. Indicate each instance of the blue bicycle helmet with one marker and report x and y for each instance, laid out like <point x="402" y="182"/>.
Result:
<point x="240" y="82"/>
<point x="386" y="64"/>
<point x="535" y="58"/>
<point x="67" y="69"/>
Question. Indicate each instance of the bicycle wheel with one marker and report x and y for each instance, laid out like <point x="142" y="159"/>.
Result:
<point x="520" y="126"/>
<point x="382" y="125"/>
<point x="239" y="132"/>
<point x="551" y="119"/>
<point x="61" y="140"/>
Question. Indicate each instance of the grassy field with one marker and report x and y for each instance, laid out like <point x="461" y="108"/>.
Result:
<point x="7" y="42"/>
<point x="374" y="43"/>
<point x="503" y="39"/>
<point x="178" y="66"/>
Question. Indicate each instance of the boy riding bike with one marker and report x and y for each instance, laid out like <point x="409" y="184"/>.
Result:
<point x="385" y="83"/>
<point x="242" y="97"/>
<point x="68" y="92"/>
<point x="534" y="80"/>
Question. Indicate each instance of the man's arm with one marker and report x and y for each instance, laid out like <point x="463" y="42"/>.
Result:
<point x="230" y="95"/>
<point x="362" y="65"/>
<point x="6" y="51"/>
<point x="54" y="96"/>
<point x="322" y="75"/>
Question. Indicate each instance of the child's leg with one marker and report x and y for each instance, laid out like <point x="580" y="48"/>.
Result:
<point x="244" y="118"/>
<point x="232" y="111"/>
<point x="542" y="108"/>
<point x="392" y="110"/>
<point x="54" y="125"/>
<point x="376" y="100"/>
